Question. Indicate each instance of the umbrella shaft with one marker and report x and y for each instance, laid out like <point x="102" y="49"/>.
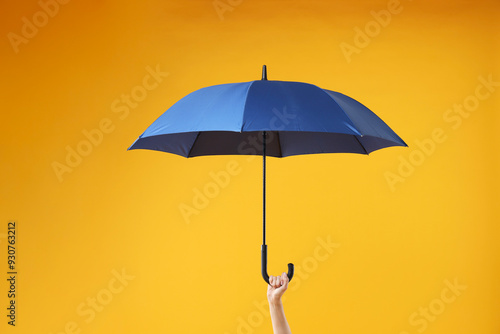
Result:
<point x="264" y="188"/>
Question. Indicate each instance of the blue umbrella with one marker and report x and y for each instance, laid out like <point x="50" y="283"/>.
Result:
<point x="268" y="118"/>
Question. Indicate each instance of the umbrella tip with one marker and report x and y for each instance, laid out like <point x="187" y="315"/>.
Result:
<point x="264" y="72"/>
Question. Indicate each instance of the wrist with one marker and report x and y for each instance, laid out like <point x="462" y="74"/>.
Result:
<point x="275" y="302"/>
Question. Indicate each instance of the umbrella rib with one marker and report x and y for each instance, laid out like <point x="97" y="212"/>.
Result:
<point x="359" y="142"/>
<point x="346" y="115"/>
<point x="245" y="106"/>
<point x="279" y="144"/>
<point x="189" y="153"/>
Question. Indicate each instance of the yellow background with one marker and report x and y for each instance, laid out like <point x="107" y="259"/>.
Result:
<point x="119" y="210"/>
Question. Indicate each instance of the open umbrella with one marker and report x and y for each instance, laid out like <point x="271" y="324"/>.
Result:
<point x="268" y="118"/>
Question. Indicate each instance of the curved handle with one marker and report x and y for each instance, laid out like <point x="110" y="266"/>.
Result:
<point x="264" y="265"/>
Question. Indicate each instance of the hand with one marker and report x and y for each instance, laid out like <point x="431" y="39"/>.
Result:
<point x="276" y="288"/>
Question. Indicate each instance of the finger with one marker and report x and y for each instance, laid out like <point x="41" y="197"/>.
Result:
<point x="285" y="280"/>
<point x="275" y="279"/>
<point x="284" y="285"/>
<point x="271" y="281"/>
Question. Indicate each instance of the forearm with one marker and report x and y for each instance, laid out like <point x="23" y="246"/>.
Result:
<point x="280" y="325"/>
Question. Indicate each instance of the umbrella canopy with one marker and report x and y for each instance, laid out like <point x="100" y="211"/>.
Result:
<point x="299" y="118"/>
<point x="264" y="117"/>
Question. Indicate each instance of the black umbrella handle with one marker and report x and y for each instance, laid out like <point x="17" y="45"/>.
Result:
<point x="264" y="266"/>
